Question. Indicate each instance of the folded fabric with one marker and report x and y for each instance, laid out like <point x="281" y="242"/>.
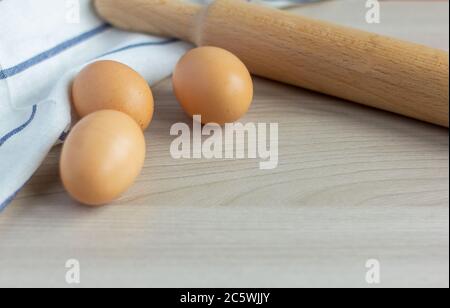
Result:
<point x="43" y="45"/>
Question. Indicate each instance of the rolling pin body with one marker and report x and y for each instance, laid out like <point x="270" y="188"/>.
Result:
<point x="362" y="67"/>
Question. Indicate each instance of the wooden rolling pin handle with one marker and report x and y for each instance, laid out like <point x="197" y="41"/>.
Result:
<point x="374" y="70"/>
<point x="173" y="18"/>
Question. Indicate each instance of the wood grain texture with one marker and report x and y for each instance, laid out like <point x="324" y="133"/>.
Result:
<point x="371" y="69"/>
<point x="367" y="68"/>
<point x="352" y="184"/>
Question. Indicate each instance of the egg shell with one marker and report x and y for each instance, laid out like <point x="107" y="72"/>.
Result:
<point x="214" y="83"/>
<point x="113" y="85"/>
<point x="101" y="157"/>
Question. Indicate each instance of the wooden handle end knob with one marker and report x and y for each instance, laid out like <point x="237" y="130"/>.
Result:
<point x="171" y="18"/>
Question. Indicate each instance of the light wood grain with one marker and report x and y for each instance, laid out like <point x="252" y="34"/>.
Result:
<point x="371" y="69"/>
<point x="352" y="184"/>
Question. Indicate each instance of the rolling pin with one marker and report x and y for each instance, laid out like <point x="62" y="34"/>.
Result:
<point x="370" y="69"/>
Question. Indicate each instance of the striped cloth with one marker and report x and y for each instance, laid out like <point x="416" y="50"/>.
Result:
<point x="43" y="44"/>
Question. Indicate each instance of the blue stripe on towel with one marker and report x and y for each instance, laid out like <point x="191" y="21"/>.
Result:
<point x="4" y="74"/>
<point x="33" y="113"/>
<point x="20" y="128"/>
<point x="9" y="72"/>
<point x="5" y="203"/>
<point x="137" y="45"/>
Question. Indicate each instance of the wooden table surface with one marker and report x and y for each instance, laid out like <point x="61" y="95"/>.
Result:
<point x="353" y="184"/>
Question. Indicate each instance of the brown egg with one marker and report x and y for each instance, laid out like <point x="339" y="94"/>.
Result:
<point x="113" y="85"/>
<point x="102" y="156"/>
<point x="213" y="83"/>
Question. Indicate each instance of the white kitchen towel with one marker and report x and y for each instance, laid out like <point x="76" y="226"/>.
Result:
<point x="43" y="45"/>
